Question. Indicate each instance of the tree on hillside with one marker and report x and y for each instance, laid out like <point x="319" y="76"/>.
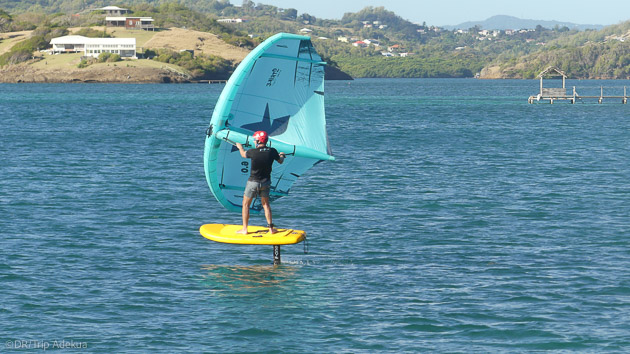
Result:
<point x="289" y="14"/>
<point x="92" y="33"/>
<point x="248" y="6"/>
<point x="5" y="21"/>
<point x="216" y="7"/>
<point x="307" y="19"/>
<point x="23" y="51"/>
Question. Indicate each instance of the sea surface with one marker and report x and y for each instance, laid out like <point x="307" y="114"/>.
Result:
<point x="457" y="218"/>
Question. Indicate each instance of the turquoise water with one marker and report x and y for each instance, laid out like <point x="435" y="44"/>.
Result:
<point x="456" y="218"/>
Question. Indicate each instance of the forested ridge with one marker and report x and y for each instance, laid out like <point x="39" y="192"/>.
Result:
<point x="373" y="42"/>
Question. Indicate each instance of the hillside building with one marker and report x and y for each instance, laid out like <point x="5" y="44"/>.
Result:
<point x="131" y="23"/>
<point x="93" y="47"/>
<point x="374" y="42"/>
<point x="114" y="11"/>
<point x="232" y="20"/>
<point x="394" y="48"/>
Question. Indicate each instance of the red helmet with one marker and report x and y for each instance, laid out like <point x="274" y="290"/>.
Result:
<point x="261" y="136"/>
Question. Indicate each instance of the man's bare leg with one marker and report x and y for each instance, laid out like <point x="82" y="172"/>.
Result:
<point x="246" y="202"/>
<point x="267" y="207"/>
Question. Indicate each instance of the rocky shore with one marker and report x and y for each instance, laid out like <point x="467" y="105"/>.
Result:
<point x="24" y="73"/>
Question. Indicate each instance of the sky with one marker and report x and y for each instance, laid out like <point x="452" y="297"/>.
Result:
<point x="453" y="12"/>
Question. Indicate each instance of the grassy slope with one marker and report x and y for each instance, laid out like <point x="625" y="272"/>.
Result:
<point x="71" y="60"/>
<point x="8" y="40"/>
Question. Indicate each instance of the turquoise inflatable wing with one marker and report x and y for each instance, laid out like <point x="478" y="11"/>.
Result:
<point x="278" y="88"/>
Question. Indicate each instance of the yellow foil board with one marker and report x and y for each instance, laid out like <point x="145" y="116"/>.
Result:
<point x="257" y="235"/>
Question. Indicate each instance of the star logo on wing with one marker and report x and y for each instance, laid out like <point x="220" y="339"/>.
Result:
<point x="273" y="127"/>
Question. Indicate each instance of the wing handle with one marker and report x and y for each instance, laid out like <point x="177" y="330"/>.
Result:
<point x="233" y="137"/>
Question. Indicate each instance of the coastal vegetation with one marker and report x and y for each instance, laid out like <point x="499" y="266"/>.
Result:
<point x="40" y="39"/>
<point x="202" y="67"/>
<point x="373" y="42"/>
<point x="102" y="58"/>
<point x="586" y="55"/>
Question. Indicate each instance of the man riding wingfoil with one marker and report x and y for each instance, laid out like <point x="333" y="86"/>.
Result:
<point x="259" y="182"/>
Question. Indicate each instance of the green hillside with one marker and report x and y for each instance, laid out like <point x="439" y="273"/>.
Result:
<point x="591" y="54"/>
<point x="373" y="42"/>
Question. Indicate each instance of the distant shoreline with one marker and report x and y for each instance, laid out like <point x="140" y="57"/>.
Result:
<point x="122" y="72"/>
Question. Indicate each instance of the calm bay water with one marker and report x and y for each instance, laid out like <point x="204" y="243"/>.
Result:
<point x="456" y="218"/>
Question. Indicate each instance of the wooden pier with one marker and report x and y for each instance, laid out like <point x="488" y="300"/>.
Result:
<point x="560" y="93"/>
<point x="212" y="81"/>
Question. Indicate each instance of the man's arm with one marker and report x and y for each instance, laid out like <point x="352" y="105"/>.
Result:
<point x="240" y="148"/>
<point x="282" y="156"/>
